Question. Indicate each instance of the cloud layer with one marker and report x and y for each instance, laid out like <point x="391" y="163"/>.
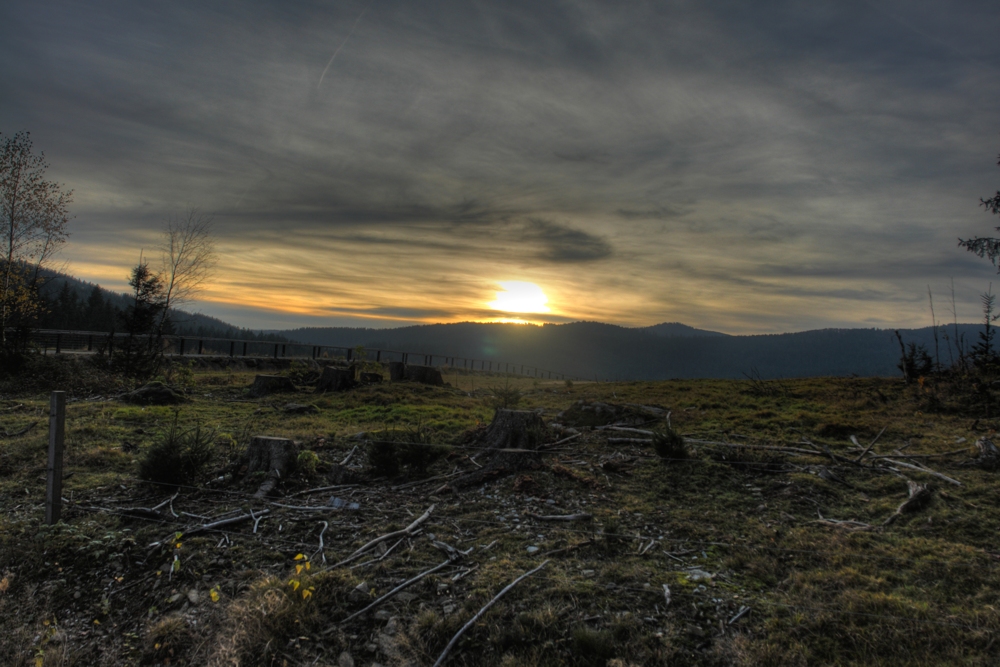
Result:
<point x="746" y="167"/>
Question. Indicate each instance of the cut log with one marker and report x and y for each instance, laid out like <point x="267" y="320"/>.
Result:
<point x="274" y="456"/>
<point x="424" y="375"/>
<point x="335" y="378"/>
<point x="920" y="497"/>
<point x="397" y="371"/>
<point x="989" y="455"/>
<point x="511" y="443"/>
<point x="270" y="384"/>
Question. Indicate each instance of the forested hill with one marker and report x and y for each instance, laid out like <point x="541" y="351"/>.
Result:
<point x="77" y="305"/>
<point x="605" y="351"/>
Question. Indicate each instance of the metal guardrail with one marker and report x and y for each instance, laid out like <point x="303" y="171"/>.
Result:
<point x="93" y="342"/>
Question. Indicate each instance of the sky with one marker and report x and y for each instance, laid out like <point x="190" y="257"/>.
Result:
<point x="747" y="167"/>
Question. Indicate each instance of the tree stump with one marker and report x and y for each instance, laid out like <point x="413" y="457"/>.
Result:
<point x="424" y="375"/>
<point x="511" y="444"/>
<point x="270" y="384"/>
<point x="335" y="378"/>
<point x="397" y="371"/>
<point x="371" y="378"/>
<point x="989" y="455"/>
<point x="274" y="456"/>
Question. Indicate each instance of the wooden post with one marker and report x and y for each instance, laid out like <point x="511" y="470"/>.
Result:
<point x="244" y="348"/>
<point x="232" y="348"/>
<point x="275" y="350"/>
<point x="201" y="347"/>
<point x="58" y="343"/>
<point x="57" y="431"/>
<point x="180" y="348"/>
<point x="90" y="343"/>
<point x="378" y="356"/>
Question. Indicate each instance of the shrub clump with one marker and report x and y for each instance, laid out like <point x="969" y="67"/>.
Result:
<point x="179" y="456"/>
<point x="669" y="444"/>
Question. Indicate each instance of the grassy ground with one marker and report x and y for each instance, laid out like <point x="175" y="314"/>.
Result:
<point x="725" y="529"/>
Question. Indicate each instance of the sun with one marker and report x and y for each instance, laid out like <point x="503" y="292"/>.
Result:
<point x="520" y="297"/>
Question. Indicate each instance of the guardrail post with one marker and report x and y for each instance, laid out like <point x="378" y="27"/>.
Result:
<point x="275" y="350"/>
<point x="57" y="432"/>
<point x="58" y="343"/>
<point x="378" y="356"/>
<point x="349" y="351"/>
<point x="244" y="348"/>
<point x="232" y="348"/>
<point x="201" y="347"/>
<point x="180" y="348"/>
<point x="90" y="343"/>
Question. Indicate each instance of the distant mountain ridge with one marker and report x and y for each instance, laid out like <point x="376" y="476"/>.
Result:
<point x="673" y="350"/>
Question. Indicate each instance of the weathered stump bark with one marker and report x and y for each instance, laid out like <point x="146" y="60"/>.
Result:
<point x="397" y="371"/>
<point x="335" y="378"/>
<point x="424" y="375"/>
<point x="274" y="456"/>
<point x="270" y="384"/>
<point x="511" y="444"/>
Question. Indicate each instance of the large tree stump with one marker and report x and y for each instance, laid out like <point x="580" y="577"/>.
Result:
<point x="270" y="384"/>
<point x="424" y="375"/>
<point x="511" y="444"/>
<point x="989" y="455"/>
<point x="335" y="378"/>
<point x="397" y="371"/>
<point x="274" y="456"/>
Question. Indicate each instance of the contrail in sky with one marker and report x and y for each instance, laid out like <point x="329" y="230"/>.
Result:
<point x="343" y="42"/>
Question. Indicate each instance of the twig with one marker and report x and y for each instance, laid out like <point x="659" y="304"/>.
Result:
<point x="858" y="460"/>
<point x="397" y="589"/>
<point x="924" y="456"/>
<point x="472" y="621"/>
<point x="21" y="432"/>
<point x="320" y="550"/>
<point x="742" y="612"/>
<point x="406" y="532"/>
<point x="629" y="441"/>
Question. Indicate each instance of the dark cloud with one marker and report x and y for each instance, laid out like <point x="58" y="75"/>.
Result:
<point x="559" y="243"/>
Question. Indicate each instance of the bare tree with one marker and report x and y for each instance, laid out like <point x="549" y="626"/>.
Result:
<point x="188" y="256"/>
<point x="33" y="219"/>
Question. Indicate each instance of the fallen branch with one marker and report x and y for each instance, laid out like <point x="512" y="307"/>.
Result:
<point x="920" y="496"/>
<point x="872" y="444"/>
<point x="405" y="532"/>
<point x="556" y="443"/>
<point x="627" y="429"/>
<point x="629" y="441"/>
<point x="321" y="489"/>
<point x="561" y="517"/>
<point x="224" y="522"/>
<point x="350" y="455"/>
<point x="24" y="430"/>
<point x="923" y="456"/>
<point x="924" y="470"/>
<point x="399" y="588"/>
<point x="472" y="621"/>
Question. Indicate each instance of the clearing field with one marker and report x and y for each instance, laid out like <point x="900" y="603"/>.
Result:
<point x="720" y="551"/>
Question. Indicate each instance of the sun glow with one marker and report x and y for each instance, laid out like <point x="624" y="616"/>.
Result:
<point x="520" y="297"/>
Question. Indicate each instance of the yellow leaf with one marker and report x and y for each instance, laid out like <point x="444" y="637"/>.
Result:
<point x="295" y="584"/>
<point x="308" y="565"/>
<point x="298" y="569"/>
<point x="306" y="593"/>
<point x="156" y="646"/>
<point x="39" y="661"/>
<point x="300" y="557"/>
<point x="214" y="594"/>
<point x="177" y="546"/>
<point x="96" y="622"/>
